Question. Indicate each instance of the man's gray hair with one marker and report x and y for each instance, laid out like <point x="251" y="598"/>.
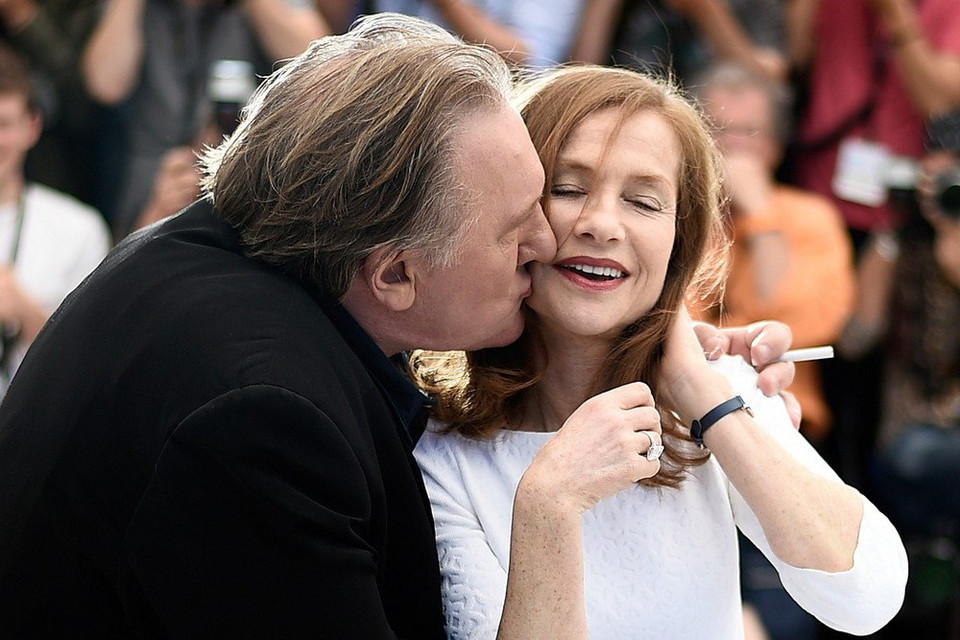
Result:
<point x="351" y="146"/>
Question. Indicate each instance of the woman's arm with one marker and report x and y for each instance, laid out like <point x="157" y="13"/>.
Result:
<point x="810" y="521"/>
<point x="858" y="601"/>
<point x="598" y="452"/>
<point x="807" y="518"/>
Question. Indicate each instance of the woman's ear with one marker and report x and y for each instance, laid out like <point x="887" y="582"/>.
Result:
<point x="390" y="278"/>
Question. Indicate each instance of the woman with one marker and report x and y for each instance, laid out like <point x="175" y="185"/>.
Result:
<point x="632" y="196"/>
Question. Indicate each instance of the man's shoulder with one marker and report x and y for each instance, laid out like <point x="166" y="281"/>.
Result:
<point x="188" y="281"/>
<point x="790" y="197"/>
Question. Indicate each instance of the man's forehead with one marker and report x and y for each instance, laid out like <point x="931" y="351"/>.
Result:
<point x="495" y="147"/>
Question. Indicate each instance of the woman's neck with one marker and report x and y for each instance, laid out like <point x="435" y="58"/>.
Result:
<point x="573" y="363"/>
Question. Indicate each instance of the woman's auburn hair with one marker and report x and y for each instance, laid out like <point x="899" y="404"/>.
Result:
<point x="481" y="392"/>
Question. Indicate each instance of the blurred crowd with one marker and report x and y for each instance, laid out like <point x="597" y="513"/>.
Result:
<point x="838" y="122"/>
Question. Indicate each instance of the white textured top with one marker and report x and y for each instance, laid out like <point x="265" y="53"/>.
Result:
<point x="659" y="563"/>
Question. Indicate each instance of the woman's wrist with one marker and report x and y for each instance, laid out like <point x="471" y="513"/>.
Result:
<point x="692" y="396"/>
<point x="540" y="495"/>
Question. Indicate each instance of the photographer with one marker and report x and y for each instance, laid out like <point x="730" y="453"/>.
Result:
<point x="918" y="452"/>
<point x="153" y="58"/>
<point x="919" y="444"/>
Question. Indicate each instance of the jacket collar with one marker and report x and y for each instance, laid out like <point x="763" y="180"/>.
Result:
<point x="408" y="402"/>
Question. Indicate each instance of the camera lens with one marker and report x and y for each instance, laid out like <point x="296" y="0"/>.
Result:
<point x="947" y="191"/>
<point x="230" y="85"/>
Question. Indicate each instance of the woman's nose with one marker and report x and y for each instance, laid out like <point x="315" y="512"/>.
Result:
<point x="600" y="219"/>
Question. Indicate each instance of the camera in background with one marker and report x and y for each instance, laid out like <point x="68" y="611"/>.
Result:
<point x="229" y="87"/>
<point x="946" y="188"/>
<point x="902" y="175"/>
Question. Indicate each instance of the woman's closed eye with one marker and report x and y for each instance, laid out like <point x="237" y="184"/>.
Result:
<point x="646" y="204"/>
<point x="567" y="191"/>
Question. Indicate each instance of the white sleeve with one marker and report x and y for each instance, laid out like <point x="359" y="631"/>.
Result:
<point x="858" y="601"/>
<point x="474" y="582"/>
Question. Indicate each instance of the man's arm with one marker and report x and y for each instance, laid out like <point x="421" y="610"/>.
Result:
<point x="113" y="58"/>
<point x="256" y="524"/>
<point x="285" y="30"/>
<point x="474" y="25"/>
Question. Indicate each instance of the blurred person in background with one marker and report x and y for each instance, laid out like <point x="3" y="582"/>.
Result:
<point x="791" y="260"/>
<point x="156" y="57"/>
<point x="918" y="450"/>
<point x="527" y="33"/>
<point x="51" y="35"/>
<point x="340" y="14"/>
<point x="49" y="241"/>
<point x="684" y="36"/>
<point x="873" y="74"/>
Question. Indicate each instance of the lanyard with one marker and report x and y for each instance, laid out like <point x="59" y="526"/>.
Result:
<point x="18" y="226"/>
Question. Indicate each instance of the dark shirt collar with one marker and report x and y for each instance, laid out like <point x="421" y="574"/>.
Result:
<point x="409" y="403"/>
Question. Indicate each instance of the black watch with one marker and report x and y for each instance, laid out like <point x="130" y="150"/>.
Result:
<point x="699" y="427"/>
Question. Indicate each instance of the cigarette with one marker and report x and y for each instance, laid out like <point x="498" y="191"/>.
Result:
<point x="810" y="353"/>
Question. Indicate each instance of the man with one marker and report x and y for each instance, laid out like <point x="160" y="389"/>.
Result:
<point x="791" y="259"/>
<point x="49" y="241"/>
<point x="229" y="452"/>
<point x="51" y="35"/>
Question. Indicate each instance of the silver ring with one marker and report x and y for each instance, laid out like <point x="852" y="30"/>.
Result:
<point x="655" y="450"/>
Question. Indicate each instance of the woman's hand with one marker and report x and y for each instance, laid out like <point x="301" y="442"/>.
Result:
<point x="600" y="450"/>
<point x="760" y="344"/>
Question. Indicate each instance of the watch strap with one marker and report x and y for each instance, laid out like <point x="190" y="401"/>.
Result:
<point x="700" y="426"/>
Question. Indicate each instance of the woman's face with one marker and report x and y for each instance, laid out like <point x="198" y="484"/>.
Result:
<point x="612" y="205"/>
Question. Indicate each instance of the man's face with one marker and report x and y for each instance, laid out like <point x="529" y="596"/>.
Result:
<point x="19" y="130"/>
<point x="476" y="303"/>
<point x="744" y="119"/>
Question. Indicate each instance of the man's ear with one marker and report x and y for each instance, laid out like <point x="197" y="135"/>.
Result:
<point x="389" y="276"/>
<point x="36" y="127"/>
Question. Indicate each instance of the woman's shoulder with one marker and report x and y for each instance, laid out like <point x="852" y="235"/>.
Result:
<point x="439" y="443"/>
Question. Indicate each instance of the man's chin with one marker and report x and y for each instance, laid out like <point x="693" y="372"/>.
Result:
<point x="505" y="338"/>
<point x="470" y="338"/>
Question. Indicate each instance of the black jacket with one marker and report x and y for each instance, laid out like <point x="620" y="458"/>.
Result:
<point x="200" y="446"/>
